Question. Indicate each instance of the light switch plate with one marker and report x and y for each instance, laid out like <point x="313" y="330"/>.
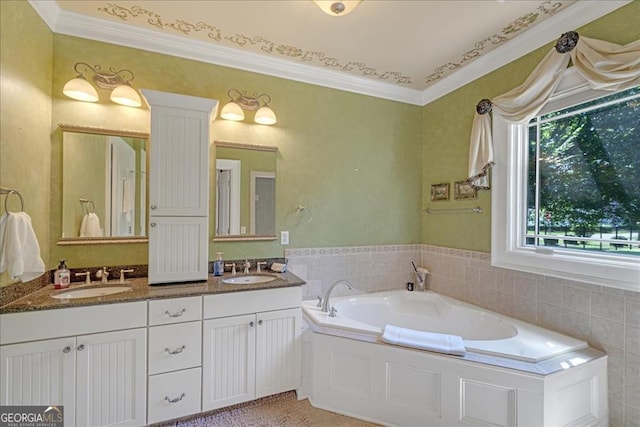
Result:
<point x="284" y="237"/>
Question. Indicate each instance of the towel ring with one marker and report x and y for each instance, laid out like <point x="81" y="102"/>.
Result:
<point x="9" y="193"/>
<point x="88" y="203"/>
<point x="304" y="215"/>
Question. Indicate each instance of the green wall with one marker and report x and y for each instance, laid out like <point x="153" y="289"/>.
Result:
<point x="353" y="160"/>
<point x="362" y="165"/>
<point x="26" y="58"/>
<point x="447" y="129"/>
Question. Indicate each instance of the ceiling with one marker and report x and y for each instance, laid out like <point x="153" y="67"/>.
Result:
<point x="411" y="51"/>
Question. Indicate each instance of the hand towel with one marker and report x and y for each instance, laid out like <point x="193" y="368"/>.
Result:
<point x="431" y="341"/>
<point x="90" y="226"/>
<point x="19" y="248"/>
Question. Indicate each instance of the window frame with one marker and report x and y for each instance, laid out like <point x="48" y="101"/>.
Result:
<point x="509" y="206"/>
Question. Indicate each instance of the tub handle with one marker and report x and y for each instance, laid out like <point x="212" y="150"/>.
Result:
<point x="333" y="312"/>
<point x="319" y="304"/>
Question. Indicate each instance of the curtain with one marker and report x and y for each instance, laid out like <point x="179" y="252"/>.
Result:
<point x="605" y="66"/>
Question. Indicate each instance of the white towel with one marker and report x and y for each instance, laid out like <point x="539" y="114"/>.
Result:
<point x="431" y="341"/>
<point x="90" y="226"/>
<point x="19" y="249"/>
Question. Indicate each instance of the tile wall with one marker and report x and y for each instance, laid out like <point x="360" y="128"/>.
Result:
<point x="609" y="319"/>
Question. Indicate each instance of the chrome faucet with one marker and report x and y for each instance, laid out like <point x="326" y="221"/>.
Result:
<point x="325" y="301"/>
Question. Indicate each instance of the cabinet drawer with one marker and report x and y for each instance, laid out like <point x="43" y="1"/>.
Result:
<point x="174" y="395"/>
<point x="173" y="347"/>
<point x="175" y="310"/>
<point x="235" y="303"/>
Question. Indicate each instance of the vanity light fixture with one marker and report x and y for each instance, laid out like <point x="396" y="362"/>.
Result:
<point x="337" y="8"/>
<point x="241" y="102"/>
<point x="119" y="82"/>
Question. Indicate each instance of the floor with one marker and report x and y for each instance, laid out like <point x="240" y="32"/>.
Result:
<point x="281" y="410"/>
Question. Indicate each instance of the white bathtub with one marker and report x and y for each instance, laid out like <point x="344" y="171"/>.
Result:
<point x="482" y="331"/>
<point x="540" y="378"/>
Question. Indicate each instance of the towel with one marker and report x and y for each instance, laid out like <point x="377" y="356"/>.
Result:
<point x="431" y="341"/>
<point x="19" y="248"/>
<point x="90" y="226"/>
<point x="278" y="267"/>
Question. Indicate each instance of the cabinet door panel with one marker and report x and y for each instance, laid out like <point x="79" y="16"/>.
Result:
<point x="179" y="152"/>
<point x="39" y="373"/>
<point x="278" y="347"/>
<point x="111" y="378"/>
<point x="178" y="249"/>
<point x="228" y="361"/>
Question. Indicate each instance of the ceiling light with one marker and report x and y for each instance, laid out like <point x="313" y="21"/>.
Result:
<point x="337" y="8"/>
<point x="119" y="82"/>
<point x="241" y="102"/>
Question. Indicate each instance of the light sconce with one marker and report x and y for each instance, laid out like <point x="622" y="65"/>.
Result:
<point x="119" y="82"/>
<point x="241" y="102"/>
<point x="337" y="8"/>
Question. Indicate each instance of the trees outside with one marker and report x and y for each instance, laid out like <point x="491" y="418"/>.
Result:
<point x="587" y="172"/>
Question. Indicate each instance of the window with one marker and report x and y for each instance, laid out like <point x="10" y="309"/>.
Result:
<point x="566" y="199"/>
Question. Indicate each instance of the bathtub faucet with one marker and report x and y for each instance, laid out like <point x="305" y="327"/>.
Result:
<point x="325" y="301"/>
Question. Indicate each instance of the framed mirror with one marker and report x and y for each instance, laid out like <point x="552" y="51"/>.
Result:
<point x="245" y="192"/>
<point x="104" y="185"/>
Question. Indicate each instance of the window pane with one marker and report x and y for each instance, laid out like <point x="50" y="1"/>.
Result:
<point x="589" y="176"/>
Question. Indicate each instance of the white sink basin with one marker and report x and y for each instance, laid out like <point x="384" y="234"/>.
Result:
<point x="248" y="280"/>
<point x="96" y="291"/>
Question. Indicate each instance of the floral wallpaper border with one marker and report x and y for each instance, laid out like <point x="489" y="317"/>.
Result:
<point x="243" y="41"/>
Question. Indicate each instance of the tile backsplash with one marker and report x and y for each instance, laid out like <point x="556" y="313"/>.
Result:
<point x="609" y="319"/>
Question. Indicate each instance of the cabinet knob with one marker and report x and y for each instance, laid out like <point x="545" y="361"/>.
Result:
<point x="251" y="324"/>
<point x="67" y="349"/>
<point x="177" y="314"/>
<point x="175" y="400"/>
<point x="152" y="225"/>
<point x="154" y="207"/>
<point x="80" y="347"/>
<point x="176" y="351"/>
<point x="260" y="322"/>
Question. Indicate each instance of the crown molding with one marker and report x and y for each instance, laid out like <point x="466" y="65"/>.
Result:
<point x="72" y="24"/>
<point x="574" y="16"/>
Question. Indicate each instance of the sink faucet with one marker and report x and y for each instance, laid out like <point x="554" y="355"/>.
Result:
<point x="103" y="275"/>
<point x="325" y="301"/>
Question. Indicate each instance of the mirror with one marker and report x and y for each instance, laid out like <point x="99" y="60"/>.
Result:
<point x="245" y="205"/>
<point x="104" y="185"/>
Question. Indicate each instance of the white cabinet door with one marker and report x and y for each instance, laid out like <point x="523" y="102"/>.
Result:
<point x="179" y="160"/>
<point x="40" y="373"/>
<point x="228" y="361"/>
<point x="278" y="351"/>
<point x="178" y="249"/>
<point x="111" y="378"/>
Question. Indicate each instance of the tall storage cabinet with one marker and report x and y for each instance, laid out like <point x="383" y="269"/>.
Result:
<point x="179" y="186"/>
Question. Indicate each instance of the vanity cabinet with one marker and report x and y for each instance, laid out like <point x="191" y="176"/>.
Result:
<point x="99" y="375"/>
<point x="175" y="338"/>
<point x="251" y="345"/>
<point x="179" y="186"/>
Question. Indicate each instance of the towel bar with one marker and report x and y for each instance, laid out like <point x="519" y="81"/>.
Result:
<point x="9" y="192"/>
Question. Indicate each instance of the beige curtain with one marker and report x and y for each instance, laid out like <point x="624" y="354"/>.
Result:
<point x="604" y="65"/>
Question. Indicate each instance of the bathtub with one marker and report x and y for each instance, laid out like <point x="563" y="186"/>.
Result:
<point x="513" y="374"/>
<point x="483" y="331"/>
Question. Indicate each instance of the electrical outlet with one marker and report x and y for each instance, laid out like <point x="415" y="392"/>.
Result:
<point x="284" y="237"/>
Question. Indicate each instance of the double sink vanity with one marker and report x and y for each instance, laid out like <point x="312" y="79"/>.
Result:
<point x="133" y="354"/>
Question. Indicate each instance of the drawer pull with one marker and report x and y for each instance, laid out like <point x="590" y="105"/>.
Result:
<point x="176" y="351"/>
<point x="67" y="349"/>
<point x="178" y="314"/>
<point x="176" y="400"/>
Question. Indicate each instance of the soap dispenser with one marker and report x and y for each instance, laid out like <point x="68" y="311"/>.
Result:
<point x="62" y="276"/>
<point x="218" y="265"/>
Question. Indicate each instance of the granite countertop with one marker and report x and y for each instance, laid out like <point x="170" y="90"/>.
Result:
<point x="141" y="291"/>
